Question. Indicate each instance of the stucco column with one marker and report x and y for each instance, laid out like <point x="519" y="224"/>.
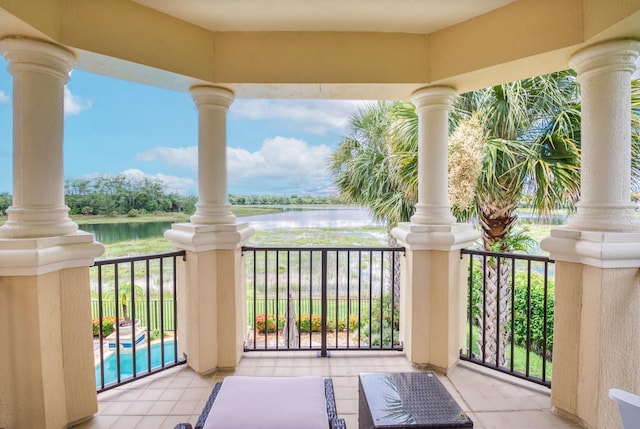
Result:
<point x="433" y="279"/>
<point x="213" y="103"/>
<point x="211" y="305"/>
<point x="433" y="105"/>
<point x="597" y="289"/>
<point x="47" y="373"/>
<point x="40" y="71"/>
<point x="604" y="73"/>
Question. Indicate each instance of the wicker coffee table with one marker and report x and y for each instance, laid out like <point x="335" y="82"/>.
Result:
<point x="407" y="400"/>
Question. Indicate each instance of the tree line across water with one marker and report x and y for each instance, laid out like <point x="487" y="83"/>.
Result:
<point x="113" y="195"/>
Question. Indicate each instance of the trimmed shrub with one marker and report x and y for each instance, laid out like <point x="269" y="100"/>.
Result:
<point x="108" y="327"/>
<point x="309" y="323"/>
<point x="536" y="332"/>
<point x="267" y="323"/>
<point x="379" y="332"/>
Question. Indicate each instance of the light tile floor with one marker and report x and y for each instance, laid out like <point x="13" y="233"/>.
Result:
<point x="491" y="399"/>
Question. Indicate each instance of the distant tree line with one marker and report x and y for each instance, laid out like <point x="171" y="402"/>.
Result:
<point x="122" y="195"/>
<point x="242" y="200"/>
<point x="5" y="202"/>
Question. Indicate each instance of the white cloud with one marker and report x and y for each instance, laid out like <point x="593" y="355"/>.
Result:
<point x="314" y="116"/>
<point x="4" y="98"/>
<point x="175" y="156"/>
<point x="74" y="104"/>
<point x="281" y="165"/>
<point x="279" y="158"/>
<point x="181" y="185"/>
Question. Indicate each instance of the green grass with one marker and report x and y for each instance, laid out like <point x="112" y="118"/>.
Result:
<point x="160" y="217"/>
<point x="137" y="247"/>
<point x="155" y="314"/>
<point x="362" y="236"/>
<point x="239" y="211"/>
<point x="519" y="358"/>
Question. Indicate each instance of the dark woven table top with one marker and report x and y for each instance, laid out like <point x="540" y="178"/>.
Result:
<point x="413" y="399"/>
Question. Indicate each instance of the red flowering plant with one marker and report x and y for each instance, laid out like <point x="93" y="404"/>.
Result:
<point x="267" y="323"/>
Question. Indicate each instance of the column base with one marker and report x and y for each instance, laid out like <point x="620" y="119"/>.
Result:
<point x="34" y="223"/>
<point x="605" y="217"/>
<point x="601" y="249"/>
<point x="210" y="215"/>
<point x="35" y="256"/>
<point x="430" y="215"/>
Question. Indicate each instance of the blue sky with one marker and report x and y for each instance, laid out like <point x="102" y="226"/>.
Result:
<point x="117" y="127"/>
<point x="114" y="126"/>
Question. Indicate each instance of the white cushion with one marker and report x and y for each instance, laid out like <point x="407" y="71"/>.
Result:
<point x="269" y="402"/>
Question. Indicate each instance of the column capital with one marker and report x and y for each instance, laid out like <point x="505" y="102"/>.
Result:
<point x="610" y="56"/>
<point x="434" y="97"/>
<point x="37" y="55"/>
<point x="212" y="97"/>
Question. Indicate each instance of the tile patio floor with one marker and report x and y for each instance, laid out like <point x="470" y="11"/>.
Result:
<point x="491" y="399"/>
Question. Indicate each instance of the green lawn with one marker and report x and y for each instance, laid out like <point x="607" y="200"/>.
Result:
<point x="519" y="358"/>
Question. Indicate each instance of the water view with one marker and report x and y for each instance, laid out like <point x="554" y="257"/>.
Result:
<point x="290" y="218"/>
<point x="326" y="217"/>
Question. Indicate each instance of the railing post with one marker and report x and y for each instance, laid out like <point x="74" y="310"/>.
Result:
<point x="323" y="310"/>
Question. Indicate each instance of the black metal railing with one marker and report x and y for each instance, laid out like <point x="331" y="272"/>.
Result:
<point x="134" y="317"/>
<point x="312" y="298"/>
<point x="510" y="314"/>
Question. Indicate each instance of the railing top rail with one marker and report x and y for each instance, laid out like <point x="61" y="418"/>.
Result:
<point x="321" y="248"/>
<point x="506" y="255"/>
<point x="110" y="261"/>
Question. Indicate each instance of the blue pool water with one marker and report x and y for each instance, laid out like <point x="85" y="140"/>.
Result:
<point x="126" y="362"/>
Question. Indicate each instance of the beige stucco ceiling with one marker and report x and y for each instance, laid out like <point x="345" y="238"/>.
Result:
<point x="402" y="16"/>
<point x="362" y="49"/>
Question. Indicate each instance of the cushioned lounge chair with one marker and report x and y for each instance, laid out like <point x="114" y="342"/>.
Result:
<point x="284" y="409"/>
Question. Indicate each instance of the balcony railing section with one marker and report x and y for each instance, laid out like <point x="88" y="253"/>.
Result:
<point x="510" y="314"/>
<point x="312" y="298"/>
<point x="134" y="317"/>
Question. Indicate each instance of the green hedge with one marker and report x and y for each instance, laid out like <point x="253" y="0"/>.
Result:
<point x="520" y="309"/>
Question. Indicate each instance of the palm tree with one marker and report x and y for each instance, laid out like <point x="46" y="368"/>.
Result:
<point x="527" y="136"/>
<point x="529" y="144"/>
<point x="124" y="296"/>
<point x="364" y="170"/>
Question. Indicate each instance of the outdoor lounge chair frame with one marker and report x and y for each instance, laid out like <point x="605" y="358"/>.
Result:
<point x="334" y="421"/>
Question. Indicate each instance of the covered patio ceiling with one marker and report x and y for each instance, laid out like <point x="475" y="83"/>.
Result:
<point x="356" y="49"/>
<point x="387" y="16"/>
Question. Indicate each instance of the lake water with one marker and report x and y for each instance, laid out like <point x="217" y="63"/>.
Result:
<point x="290" y="218"/>
<point x="326" y="217"/>
<point x="113" y="232"/>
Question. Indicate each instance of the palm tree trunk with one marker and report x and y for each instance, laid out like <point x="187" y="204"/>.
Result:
<point x="395" y="266"/>
<point x="496" y="219"/>
<point x="494" y="305"/>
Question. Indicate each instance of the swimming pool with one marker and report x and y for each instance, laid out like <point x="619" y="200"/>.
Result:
<point x="126" y="362"/>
